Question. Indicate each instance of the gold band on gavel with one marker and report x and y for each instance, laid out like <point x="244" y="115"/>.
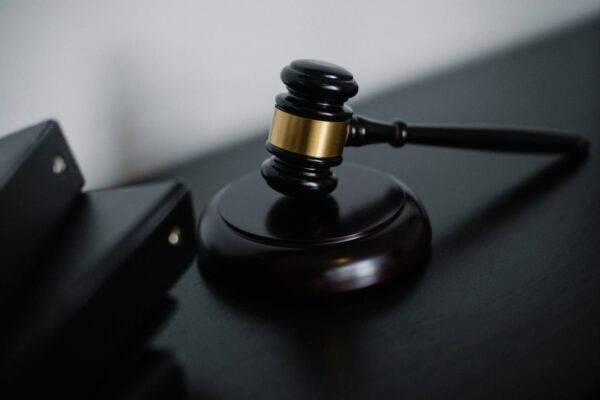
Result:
<point x="306" y="136"/>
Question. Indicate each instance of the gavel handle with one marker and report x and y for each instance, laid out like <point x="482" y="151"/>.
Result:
<point x="366" y="131"/>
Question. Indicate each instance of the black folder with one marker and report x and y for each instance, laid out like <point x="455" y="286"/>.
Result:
<point x="39" y="181"/>
<point x="101" y="287"/>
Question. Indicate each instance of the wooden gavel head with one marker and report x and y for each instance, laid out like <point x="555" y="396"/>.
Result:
<point x="310" y="127"/>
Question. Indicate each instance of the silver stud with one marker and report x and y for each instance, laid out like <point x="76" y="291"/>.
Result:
<point x="58" y="165"/>
<point x="175" y="236"/>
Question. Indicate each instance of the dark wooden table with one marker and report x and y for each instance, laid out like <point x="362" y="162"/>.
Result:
<point x="508" y="306"/>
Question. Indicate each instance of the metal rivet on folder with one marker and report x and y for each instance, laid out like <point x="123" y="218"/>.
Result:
<point x="58" y="165"/>
<point x="175" y="236"/>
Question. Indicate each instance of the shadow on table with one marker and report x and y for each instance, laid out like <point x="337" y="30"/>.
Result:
<point x="513" y="201"/>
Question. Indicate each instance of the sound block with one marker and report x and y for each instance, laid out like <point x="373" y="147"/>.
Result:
<point x="370" y="230"/>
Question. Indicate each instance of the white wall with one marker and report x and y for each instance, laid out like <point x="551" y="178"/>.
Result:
<point x="141" y="84"/>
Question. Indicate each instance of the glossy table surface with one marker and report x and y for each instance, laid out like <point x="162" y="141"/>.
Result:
<point x="509" y="304"/>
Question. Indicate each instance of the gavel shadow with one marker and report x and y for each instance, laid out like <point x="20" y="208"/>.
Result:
<point x="327" y="334"/>
<point x="508" y="205"/>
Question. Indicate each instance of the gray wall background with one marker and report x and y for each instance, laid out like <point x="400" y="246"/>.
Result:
<point x="138" y="85"/>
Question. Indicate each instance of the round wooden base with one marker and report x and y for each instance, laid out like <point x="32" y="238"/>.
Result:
<point x="371" y="229"/>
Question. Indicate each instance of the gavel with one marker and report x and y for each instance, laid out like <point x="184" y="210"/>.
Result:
<point x="311" y="235"/>
<point x="312" y="125"/>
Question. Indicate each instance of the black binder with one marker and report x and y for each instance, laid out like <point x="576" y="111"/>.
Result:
<point x="100" y="292"/>
<point x="39" y="181"/>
